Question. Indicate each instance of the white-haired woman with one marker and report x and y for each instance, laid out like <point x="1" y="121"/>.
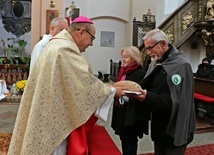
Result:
<point x="129" y="120"/>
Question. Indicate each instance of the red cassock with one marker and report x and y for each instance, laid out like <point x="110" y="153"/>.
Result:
<point x="77" y="143"/>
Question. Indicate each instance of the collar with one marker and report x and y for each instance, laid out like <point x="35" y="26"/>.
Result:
<point x="166" y="54"/>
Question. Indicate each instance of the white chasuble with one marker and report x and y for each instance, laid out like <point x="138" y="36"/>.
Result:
<point x="61" y="95"/>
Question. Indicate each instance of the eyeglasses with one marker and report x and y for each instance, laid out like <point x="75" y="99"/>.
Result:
<point x="92" y="36"/>
<point x="151" y="47"/>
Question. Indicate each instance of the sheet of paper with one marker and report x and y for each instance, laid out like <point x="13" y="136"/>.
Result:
<point x="132" y="92"/>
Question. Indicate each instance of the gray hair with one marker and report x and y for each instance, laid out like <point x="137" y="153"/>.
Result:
<point x="57" y="20"/>
<point x="157" y="35"/>
<point x="134" y="53"/>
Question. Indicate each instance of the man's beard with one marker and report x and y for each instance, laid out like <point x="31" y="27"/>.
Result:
<point x="155" y="58"/>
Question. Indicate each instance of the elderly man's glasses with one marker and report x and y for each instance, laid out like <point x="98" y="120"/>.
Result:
<point x="151" y="47"/>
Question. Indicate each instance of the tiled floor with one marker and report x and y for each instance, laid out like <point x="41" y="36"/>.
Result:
<point x="7" y="117"/>
<point x="8" y="114"/>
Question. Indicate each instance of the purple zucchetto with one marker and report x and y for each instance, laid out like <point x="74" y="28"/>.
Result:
<point x="82" y="19"/>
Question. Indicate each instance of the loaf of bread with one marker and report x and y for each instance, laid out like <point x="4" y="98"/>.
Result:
<point x="130" y="85"/>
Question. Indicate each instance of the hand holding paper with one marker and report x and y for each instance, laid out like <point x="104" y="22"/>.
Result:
<point x="141" y="96"/>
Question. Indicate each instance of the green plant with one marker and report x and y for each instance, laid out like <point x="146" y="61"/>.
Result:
<point x="15" y="52"/>
<point x="22" y="44"/>
<point x="11" y="52"/>
<point x="3" y="44"/>
<point x="4" y="50"/>
<point x="23" y="57"/>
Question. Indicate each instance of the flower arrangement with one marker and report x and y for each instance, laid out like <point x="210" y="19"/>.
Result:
<point x="21" y="85"/>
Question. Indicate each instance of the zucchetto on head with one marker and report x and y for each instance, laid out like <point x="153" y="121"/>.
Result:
<point x="82" y="19"/>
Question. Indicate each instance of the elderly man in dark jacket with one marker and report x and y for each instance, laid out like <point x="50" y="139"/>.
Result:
<point x="169" y="94"/>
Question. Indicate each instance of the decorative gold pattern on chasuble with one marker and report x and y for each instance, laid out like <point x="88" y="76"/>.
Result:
<point x="60" y="96"/>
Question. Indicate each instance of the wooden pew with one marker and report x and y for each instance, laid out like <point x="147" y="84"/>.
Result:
<point x="204" y="86"/>
<point x="114" y="69"/>
<point x="204" y="95"/>
<point x="103" y="75"/>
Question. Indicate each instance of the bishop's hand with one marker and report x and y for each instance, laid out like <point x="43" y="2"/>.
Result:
<point x="119" y="92"/>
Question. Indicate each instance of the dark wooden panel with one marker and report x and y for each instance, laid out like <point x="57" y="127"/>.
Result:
<point x="50" y="14"/>
<point x="204" y="86"/>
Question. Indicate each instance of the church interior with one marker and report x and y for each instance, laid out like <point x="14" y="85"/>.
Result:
<point x="189" y="25"/>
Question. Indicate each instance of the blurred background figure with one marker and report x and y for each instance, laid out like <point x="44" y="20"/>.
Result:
<point x="204" y="69"/>
<point x="56" y="26"/>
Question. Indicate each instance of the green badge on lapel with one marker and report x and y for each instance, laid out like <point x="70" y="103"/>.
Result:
<point x="176" y="79"/>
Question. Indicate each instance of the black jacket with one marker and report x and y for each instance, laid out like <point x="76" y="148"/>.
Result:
<point x="204" y="71"/>
<point x="131" y="113"/>
<point x="170" y="97"/>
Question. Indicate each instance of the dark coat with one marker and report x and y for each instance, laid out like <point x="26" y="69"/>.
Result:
<point x="131" y="114"/>
<point x="204" y="71"/>
<point x="170" y="97"/>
